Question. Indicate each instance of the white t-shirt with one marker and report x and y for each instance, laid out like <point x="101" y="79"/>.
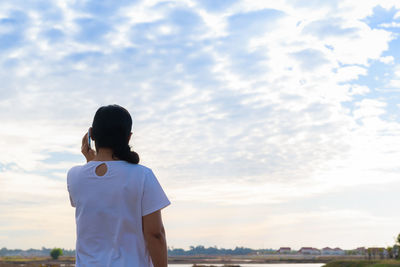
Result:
<point x="109" y="212"/>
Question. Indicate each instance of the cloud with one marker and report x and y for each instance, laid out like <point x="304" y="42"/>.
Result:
<point x="310" y="59"/>
<point x="394" y="82"/>
<point x="91" y="30"/>
<point x="218" y="5"/>
<point x="390" y="25"/>
<point x="350" y="73"/>
<point x="382" y="14"/>
<point x="387" y="59"/>
<point x="254" y="22"/>
<point x="101" y="9"/>
<point x="328" y="27"/>
<point x="12" y="29"/>
<point x="314" y="4"/>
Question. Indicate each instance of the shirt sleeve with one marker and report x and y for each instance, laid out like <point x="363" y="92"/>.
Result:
<point x="153" y="198"/>
<point x="70" y="199"/>
<point x="69" y="191"/>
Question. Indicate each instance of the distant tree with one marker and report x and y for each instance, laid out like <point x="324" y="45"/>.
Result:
<point x="56" y="252"/>
<point x="381" y="252"/>
<point x="369" y="251"/>
<point x="395" y="251"/>
<point x="396" y="248"/>
<point x="390" y="252"/>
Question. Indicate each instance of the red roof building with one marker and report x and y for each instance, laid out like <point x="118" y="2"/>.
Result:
<point x="332" y="251"/>
<point x="309" y="251"/>
<point x="284" y="250"/>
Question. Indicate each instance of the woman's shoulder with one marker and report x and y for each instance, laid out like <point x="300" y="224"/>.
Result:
<point x="73" y="169"/>
<point x="73" y="172"/>
<point x="137" y="167"/>
<point x="76" y="170"/>
<point x="141" y="170"/>
<point x="77" y="167"/>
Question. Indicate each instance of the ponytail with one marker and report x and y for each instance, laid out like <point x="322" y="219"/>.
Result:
<point x="124" y="152"/>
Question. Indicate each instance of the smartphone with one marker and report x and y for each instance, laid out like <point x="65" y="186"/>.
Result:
<point x="89" y="139"/>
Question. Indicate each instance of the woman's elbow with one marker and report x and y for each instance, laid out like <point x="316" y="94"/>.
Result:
<point x="159" y="234"/>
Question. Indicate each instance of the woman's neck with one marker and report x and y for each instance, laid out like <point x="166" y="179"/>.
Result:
<point x="104" y="154"/>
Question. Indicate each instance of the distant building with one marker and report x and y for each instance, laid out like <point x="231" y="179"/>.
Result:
<point x="284" y="250"/>
<point x="339" y="251"/>
<point x="333" y="251"/>
<point x="327" y="251"/>
<point x="309" y="251"/>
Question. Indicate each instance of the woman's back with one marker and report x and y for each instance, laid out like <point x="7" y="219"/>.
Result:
<point x="109" y="211"/>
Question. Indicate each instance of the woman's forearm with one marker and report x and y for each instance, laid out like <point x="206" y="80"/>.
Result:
<point x="157" y="246"/>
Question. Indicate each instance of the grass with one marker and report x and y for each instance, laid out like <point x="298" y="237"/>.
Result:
<point x="391" y="263"/>
<point x="14" y="261"/>
<point x="18" y="258"/>
<point x="364" y="263"/>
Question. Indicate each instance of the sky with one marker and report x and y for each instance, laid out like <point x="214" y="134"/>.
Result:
<point x="268" y="123"/>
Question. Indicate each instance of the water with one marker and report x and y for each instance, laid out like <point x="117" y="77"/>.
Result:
<point x="260" y="265"/>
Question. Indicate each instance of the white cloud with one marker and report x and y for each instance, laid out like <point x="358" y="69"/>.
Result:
<point x="390" y="25"/>
<point x="387" y="59"/>
<point x="369" y="108"/>
<point x="359" y="90"/>
<point x="350" y="73"/>
<point x="393" y="84"/>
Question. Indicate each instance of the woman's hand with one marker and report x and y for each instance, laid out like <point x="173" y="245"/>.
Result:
<point x="86" y="151"/>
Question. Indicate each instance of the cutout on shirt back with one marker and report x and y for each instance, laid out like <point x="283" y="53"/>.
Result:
<point x="101" y="170"/>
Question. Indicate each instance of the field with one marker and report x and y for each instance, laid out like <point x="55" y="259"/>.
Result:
<point x="383" y="263"/>
<point x="36" y="262"/>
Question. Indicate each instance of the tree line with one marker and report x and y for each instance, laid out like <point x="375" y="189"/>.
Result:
<point x="393" y="251"/>
<point x="193" y="250"/>
<point x="201" y="250"/>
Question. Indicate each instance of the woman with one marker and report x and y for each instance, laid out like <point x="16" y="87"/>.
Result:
<point x="118" y="202"/>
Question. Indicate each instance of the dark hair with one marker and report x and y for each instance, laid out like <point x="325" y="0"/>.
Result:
<point x="111" y="128"/>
